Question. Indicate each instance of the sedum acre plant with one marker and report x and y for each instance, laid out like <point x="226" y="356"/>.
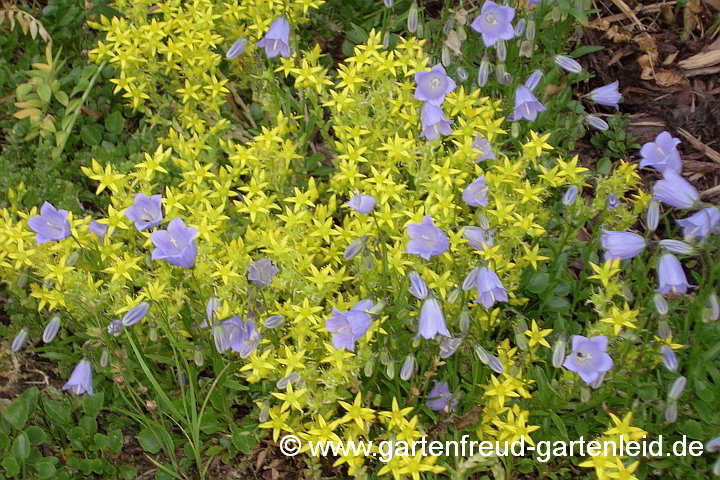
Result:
<point x="428" y="274"/>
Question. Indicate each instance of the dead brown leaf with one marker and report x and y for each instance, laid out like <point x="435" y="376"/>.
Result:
<point x="669" y="78"/>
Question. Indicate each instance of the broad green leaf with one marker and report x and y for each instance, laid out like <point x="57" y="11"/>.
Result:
<point x="36" y="435"/>
<point x="44" y="92"/>
<point x="21" y="446"/>
<point x="149" y="440"/>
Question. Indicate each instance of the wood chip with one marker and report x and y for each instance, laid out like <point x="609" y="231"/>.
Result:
<point x="700" y="146"/>
<point x="701" y="60"/>
<point x="629" y="13"/>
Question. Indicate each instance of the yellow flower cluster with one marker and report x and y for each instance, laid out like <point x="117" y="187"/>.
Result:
<point x="246" y="201"/>
<point x="167" y="54"/>
<point x="608" y="464"/>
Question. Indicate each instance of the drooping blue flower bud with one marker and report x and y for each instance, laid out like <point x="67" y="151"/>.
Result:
<point x="661" y="305"/>
<point x="533" y="80"/>
<point x="711" y="312"/>
<point x="597" y="123"/>
<point x="481" y="353"/>
<point x="570" y="195"/>
<point x="449" y="346"/>
<point x="274" y="321"/>
<point x="19" y="340"/>
<point x="408" y="367"/>
<point x="357" y="246"/>
<point x="237" y="48"/>
<point x="495" y="364"/>
<point x="520" y="27"/>
<point x="558" y="354"/>
<point x="567" y="64"/>
<point x="677" y="388"/>
<point x="445" y="56"/>
<point x="677" y="246"/>
<point x="612" y="202"/>
<point x="500" y="72"/>
<point x="51" y="329"/>
<point x="671" y="412"/>
<point x="607" y="95"/>
<point x="412" y="19"/>
<point x="713" y="446"/>
<point x="653" y="215"/>
<point x="669" y="358"/>
<point x="462" y="74"/>
<point x="501" y="49"/>
<point x="136" y="314"/>
<point x="483" y="72"/>
<point x="418" y="288"/>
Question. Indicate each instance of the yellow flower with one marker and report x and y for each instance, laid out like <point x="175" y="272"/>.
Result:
<point x="290" y="398"/>
<point x="609" y="269"/>
<point x="356" y="412"/>
<point x="537" y="336"/>
<point x="621" y="318"/>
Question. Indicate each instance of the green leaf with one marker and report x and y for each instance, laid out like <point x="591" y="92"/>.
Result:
<point x="149" y="440"/>
<point x="604" y="166"/>
<point x="91" y="134"/>
<point x="585" y="50"/>
<point x="560" y="425"/>
<point x="4" y="441"/>
<point x="11" y="466"/>
<point x="44" y="92"/>
<point x="101" y="442"/>
<point x="45" y="468"/>
<point x="115" y="123"/>
<point x="57" y="412"/>
<point x="127" y="473"/>
<point x="21" y="446"/>
<point x="357" y="35"/>
<point x="558" y="304"/>
<point x="17" y="413"/>
<point x="36" y="435"/>
<point x="62" y="97"/>
<point x="648" y="392"/>
<point x="77" y="434"/>
<point x="703" y="391"/>
<point x="92" y="404"/>
<point x="115" y="441"/>
<point x="538" y="282"/>
<point x="692" y="429"/>
<point x="89" y="424"/>
<point x="243" y="441"/>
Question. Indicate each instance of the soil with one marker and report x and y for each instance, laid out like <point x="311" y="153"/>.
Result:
<point x="659" y="91"/>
